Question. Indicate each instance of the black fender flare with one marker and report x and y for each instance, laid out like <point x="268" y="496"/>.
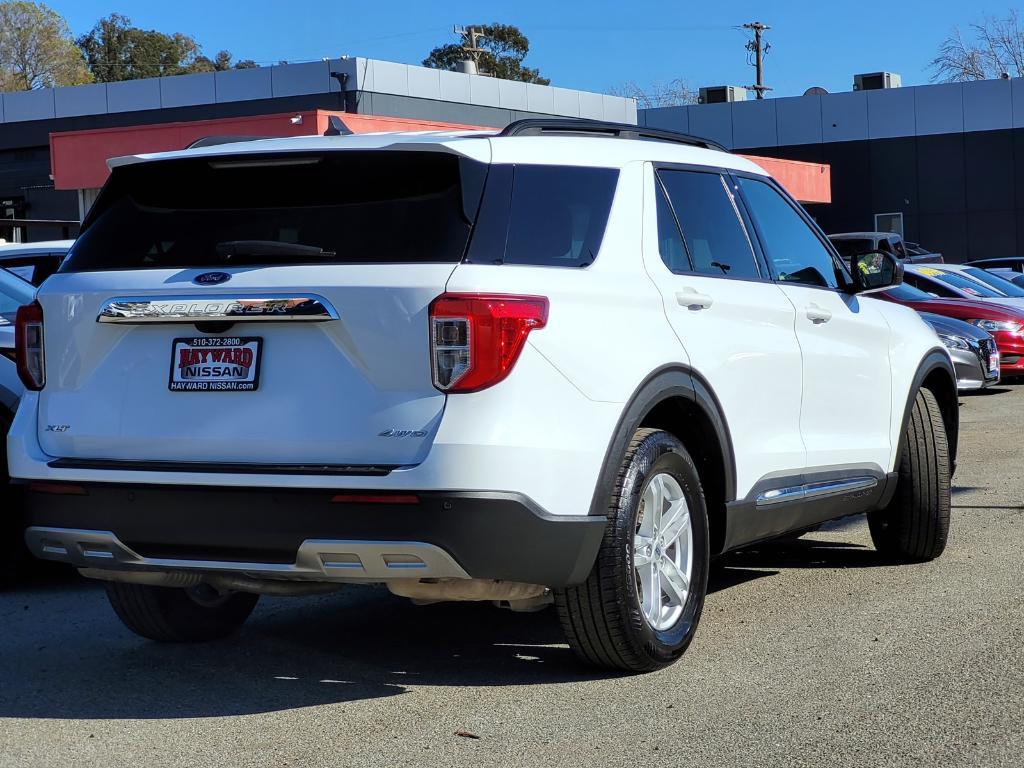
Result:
<point x="936" y="359"/>
<point x="665" y="383"/>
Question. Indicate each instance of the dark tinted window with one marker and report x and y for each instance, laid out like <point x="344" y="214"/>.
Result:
<point x="670" y="242"/>
<point x="552" y="215"/>
<point x="343" y="207"/>
<point x="715" y="238"/>
<point x="793" y="249"/>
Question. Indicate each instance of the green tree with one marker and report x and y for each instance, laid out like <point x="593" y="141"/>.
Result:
<point x="115" y="50"/>
<point x="503" y="49"/>
<point x="36" y="49"/>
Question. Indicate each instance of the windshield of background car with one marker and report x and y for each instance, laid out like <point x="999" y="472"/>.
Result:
<point x="13" y="293"/>
<point x="904" y="292"/>
<point x="341" y="207"/>
<point x="964" y="284"/>
<point x="848" y="248"/>
<point x="1000" y="284"/>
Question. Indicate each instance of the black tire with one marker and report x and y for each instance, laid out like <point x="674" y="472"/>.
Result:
<point x="602" y="618"/>
<point x="915" y="524"/>
<point x="174" y="615"/>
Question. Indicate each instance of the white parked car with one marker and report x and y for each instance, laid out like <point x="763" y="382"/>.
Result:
<point x="34" y="262"/>
<point x="569" y="359"/>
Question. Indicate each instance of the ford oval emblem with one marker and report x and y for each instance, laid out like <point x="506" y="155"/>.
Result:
<point x="211" y="278"/>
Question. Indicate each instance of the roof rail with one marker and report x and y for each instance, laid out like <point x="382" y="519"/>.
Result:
<point x="216" y="141"/>
<point x="543" y="126"/>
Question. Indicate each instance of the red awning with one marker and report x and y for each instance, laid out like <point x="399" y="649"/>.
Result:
<point x="79" y="158"/>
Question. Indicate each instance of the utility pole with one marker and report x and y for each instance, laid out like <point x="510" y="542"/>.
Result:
<point x="755" y="46"/>
<point x="470" y="35"/>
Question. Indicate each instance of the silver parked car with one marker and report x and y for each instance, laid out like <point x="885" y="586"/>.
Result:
<point x="973" y="350"/>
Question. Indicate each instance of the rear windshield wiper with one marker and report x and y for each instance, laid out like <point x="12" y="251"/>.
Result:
<point x="231" y="248"/>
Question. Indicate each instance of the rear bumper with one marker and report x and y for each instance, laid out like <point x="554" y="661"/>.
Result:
<point x="311" y="534"/>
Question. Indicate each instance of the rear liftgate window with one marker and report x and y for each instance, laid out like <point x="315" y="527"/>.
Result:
<point x="546" y="215"/>
<point x="337" y="208"/>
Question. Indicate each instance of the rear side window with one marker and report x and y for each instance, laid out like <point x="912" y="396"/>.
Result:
<point x="713" y="233"/>
<point x="545" y="215"/>
<point x="341" y="207"/>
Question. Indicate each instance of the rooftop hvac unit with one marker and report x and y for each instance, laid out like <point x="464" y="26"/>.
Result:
<point x="874" y="81"/>
<point x="716" y="94"/>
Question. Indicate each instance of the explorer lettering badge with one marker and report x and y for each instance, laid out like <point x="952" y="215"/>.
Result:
<point x="215" y="364"/>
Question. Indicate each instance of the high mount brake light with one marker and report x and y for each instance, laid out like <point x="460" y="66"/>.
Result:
<point x="28" y="346"/>
<point x="476" y="338"/>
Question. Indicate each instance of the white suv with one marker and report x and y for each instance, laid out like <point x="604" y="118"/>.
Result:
<point x="567" y="360"/>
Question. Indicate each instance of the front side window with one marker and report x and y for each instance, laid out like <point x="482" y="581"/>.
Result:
<point x="1000" y="284"/>
<point x="794" y="251"/>
<point x="713" y="233"/>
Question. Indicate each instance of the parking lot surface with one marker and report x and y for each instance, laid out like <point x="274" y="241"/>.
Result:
<point x="810" y="653"/>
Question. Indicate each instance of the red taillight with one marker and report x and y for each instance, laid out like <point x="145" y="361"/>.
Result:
<point x="476" y="338"/>
<point x="28" y="345"/>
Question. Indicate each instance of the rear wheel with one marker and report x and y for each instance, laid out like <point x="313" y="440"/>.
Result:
<point x="915" y="524"/>
<point x="639" y="607"/>
<point x="175" y="615"/>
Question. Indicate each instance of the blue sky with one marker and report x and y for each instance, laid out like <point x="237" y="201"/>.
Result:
<point x="590" y="45"/>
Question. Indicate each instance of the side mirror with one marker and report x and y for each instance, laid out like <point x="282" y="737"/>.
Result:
<point x="875" y="271"/>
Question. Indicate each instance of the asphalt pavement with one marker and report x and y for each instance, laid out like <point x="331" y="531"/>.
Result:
<point x="811" y="653"/>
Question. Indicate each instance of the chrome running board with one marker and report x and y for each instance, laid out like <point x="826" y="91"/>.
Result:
<point x="815" y="490"/>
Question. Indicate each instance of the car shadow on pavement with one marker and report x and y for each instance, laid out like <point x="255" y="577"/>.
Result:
<point x="64" y="655"/>
<point x="804" y="553"/>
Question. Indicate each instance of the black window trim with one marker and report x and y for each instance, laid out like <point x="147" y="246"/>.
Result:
<point x="815" y="229"/>
<point x="760" y="263"/>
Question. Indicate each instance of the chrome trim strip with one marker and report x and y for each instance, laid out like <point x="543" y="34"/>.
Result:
<point x="315" y="560"/>
<point x="277" y="307"/>
<point x="815" y="490"/>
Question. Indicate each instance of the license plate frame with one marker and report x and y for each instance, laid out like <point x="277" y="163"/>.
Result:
<point x="211" y="346"/>
<point x="993" y="363"/>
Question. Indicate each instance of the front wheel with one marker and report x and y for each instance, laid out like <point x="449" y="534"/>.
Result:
<point x="639" y="607"/>
<point x="914" y="526"/>
<point x="175" y="615"/>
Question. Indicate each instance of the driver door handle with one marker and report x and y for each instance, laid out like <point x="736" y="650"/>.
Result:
<point x="818" y="315"/>
<point x="692" y="299"/>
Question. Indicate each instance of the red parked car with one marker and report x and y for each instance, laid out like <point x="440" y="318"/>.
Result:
<point x="1006" y="324"/>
